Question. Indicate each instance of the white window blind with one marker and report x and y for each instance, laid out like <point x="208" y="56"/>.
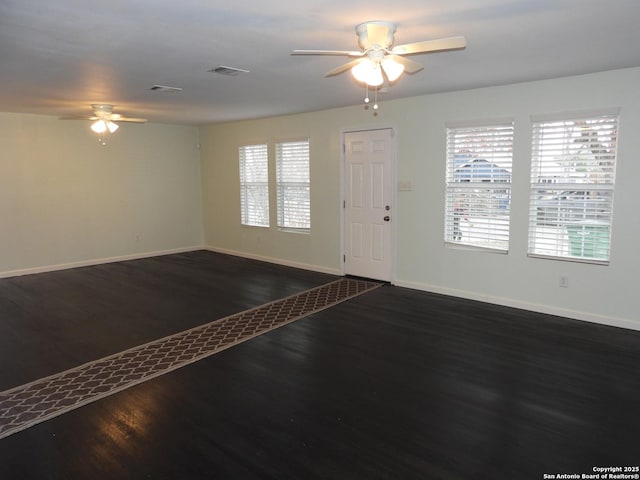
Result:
<point x="292" y="183"/>
<point x="254" y="185"/>
<point x="572" y="183"/>
<point x="478" y="190"/>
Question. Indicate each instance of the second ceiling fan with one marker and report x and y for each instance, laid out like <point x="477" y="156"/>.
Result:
<point x="104" y="120"/>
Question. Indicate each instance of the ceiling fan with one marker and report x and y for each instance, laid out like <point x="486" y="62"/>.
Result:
<point x="104" y="120"/>
<point x="379" y="59"/>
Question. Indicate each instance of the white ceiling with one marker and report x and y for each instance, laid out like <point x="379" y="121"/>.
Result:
<point x="59" y="56"/>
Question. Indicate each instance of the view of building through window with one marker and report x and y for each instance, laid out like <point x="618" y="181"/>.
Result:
<point x="572" y="183"/>
<point x="478" y="192"/>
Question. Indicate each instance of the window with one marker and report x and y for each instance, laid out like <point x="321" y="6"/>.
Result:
<point x="572" y="181"/>
<point x="254" y="185"/>
<point x="478" y="191"/>
<point x="292" y="175"/>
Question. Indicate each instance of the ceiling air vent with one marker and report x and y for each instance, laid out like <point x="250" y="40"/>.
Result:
<point x="164" y="88"/>
<point x="229" y="71"/>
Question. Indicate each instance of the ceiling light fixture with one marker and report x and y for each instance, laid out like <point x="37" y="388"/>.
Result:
<point x="372" y="71"/>
<point x="378" y="58"/>
<point x="104" y="120"/>
<point x="368" y="72"/>
<point x="100" y="126"/>
<point x="392" y="69"/>
<point x="104" y="128"/>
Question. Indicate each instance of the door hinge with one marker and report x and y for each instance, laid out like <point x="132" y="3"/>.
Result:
<point x="344" y="259"/>
<point x="344" y="204"/>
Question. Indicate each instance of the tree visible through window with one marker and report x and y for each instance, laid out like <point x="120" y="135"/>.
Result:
<point x="293" y="192"/>
<point x="478" y="191"/>
<point x="254" y="185"/>
<point x="572" y="184"/>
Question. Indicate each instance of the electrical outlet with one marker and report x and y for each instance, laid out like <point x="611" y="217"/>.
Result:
<point x="564" y="281"/>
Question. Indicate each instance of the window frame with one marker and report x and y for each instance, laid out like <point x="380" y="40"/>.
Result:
<point x="289" y="150"/>
<point x="479" y="146"/>
<point x="572" y="185"/>
<point x="252" y="188"/>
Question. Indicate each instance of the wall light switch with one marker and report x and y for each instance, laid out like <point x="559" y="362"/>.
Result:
<point x="404" y="186"/>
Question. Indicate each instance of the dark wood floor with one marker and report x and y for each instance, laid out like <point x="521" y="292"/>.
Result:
<point x="395" y="384"/>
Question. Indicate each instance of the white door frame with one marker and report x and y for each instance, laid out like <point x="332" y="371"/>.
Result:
<point x="393" y="210"/>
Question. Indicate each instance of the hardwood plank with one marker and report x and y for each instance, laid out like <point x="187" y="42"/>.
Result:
<point x="58" y="320"/>
<point x="395" y="384"/>
<point x="35" y="402"/>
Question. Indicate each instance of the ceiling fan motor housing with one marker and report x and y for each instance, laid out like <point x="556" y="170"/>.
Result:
<point x="102" y="110"/>
<point x="374" y="33"/>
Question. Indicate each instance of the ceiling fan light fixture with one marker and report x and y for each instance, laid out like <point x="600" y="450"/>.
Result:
<point x="368" y="72"/>
<point x="392" y="69"/>
<point x="101" y="126"/>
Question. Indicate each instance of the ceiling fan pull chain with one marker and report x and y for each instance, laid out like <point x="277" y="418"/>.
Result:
<point x="375" y="104"/>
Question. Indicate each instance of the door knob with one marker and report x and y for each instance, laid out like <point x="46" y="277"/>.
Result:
<point x="386" y="218"/>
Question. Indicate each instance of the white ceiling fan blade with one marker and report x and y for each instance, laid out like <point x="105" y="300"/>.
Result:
<point x="409" y="65"/>
<point x="346" y="53"/>
<point x="77" y="117"/>
<point x="114" y="117"/>
<point x="343" y="68"/>
<point x="129" y="119"/>
<point x="441" y="44"/>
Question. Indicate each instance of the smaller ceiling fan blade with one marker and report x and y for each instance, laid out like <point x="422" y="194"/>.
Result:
<point x="77" y="117"/>
<point x="347" y="53"/>
<point x="128" y="119"/>
<point x="409" y="65"/>
<point x="343" y="68"/>
<point x="441" y="44"/>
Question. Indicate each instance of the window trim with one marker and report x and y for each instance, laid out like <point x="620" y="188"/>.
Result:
<point x="281" y="184"/>
<point x="484" y="188"/>
<point x="245" y="207"/>
<point x="535" y="185"/>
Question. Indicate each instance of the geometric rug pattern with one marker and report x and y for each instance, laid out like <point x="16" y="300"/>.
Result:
<point x="35" y="402"/>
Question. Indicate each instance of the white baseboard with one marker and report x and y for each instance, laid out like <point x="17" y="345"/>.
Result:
<point x="278" y="261"/>
<point x="534" y="307"/>
<point x="95" y="261"/>
<point x="507" y="302"/>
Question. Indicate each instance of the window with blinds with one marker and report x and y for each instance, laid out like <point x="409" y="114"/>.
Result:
<point x="478" y="188"/>
<point x="292" y="184"/>
<point x="572" y="183"/>
<point x="254" y="185"/>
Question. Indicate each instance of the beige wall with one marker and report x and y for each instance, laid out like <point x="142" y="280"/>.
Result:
<point x="319" y="250"/>
<point x="598" y="293"/>
<point x="66" y="200"/>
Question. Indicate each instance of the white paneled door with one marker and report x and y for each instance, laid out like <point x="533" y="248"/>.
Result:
<point x="368" y="210"/>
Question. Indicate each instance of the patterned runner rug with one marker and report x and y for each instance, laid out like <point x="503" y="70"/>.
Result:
<point x="35" y="402"/>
